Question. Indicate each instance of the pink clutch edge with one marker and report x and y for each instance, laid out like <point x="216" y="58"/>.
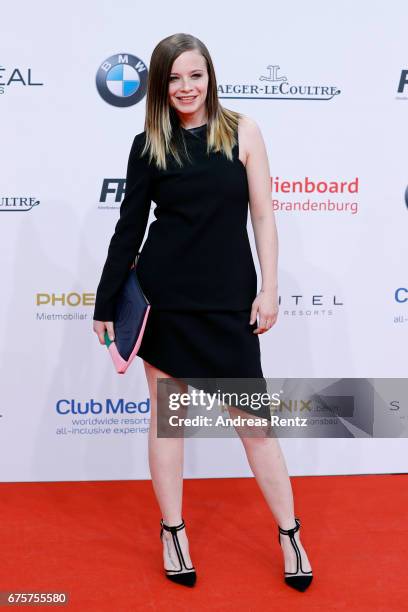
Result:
<point x="121" y="364"/>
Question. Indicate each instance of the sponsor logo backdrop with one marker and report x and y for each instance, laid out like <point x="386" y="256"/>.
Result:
<point x="328" y="85"/>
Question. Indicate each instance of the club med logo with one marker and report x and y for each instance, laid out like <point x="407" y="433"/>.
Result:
<point x="18" y="203"/>
<point x="272" y="85"/>
<point x="121" y="80"/>
<point x="107" y="406"/>
<point x="17" y="78"/>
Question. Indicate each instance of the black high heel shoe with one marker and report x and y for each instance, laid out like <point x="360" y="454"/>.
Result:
<point x="184" y="578"/>
<point x="300" y="579"/>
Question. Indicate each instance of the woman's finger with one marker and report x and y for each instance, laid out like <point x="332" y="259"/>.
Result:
<point x="252" y="318"/>
<point x="111" y="332"/>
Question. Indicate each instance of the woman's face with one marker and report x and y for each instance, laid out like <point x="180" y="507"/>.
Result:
<point x="188" y="85"/>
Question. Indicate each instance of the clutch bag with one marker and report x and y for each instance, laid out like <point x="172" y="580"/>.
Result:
<point x="132" y="310"/>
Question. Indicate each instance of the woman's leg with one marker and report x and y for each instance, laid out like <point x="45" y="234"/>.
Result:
<point x="166" y="456"/>
<point x="268" y="465"/>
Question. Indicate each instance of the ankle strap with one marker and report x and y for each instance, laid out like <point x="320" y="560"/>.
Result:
<point x="290" y="532"/>
<point x="172" y="528"/>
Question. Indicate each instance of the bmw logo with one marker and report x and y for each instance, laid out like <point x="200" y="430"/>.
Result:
<point x="121" y="80"/>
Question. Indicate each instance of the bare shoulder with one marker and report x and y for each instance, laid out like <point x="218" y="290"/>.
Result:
<point x="247" y="124"/>
<point x="249" y="136"/>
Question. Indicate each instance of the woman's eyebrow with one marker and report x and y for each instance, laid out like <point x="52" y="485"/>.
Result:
<point x="196" y="70"/>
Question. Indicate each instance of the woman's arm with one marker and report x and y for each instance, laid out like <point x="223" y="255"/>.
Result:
<point x="263" y="222"/>
<point x="126" y="239"/>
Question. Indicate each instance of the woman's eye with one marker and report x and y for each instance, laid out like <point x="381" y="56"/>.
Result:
<point x="172" y="78"/>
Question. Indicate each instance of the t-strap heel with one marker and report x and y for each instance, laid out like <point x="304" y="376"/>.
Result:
<point x="299" y="580"/>
<point x="186" y="578"/>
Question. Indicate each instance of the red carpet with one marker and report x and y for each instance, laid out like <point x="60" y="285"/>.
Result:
<point x="99" y="542"/>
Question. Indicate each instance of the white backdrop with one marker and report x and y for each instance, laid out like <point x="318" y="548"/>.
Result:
<point x="60" y="140"/>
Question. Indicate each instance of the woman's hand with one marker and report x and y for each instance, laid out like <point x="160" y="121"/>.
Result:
<point x="266" y="306"/>
<point x="99" y="329"/>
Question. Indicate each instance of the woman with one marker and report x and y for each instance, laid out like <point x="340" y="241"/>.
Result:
<point x="201" y="164"/>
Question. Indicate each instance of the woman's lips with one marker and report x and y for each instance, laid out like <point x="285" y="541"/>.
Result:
<point x="186" y="99"/>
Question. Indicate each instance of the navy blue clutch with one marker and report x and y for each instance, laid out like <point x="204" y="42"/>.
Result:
<point x="132" y="310"/>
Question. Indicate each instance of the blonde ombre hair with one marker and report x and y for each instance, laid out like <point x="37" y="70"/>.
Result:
<point x="162" y="124"/>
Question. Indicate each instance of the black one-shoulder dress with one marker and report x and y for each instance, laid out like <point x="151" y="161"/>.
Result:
<point x="195" y="266"/>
